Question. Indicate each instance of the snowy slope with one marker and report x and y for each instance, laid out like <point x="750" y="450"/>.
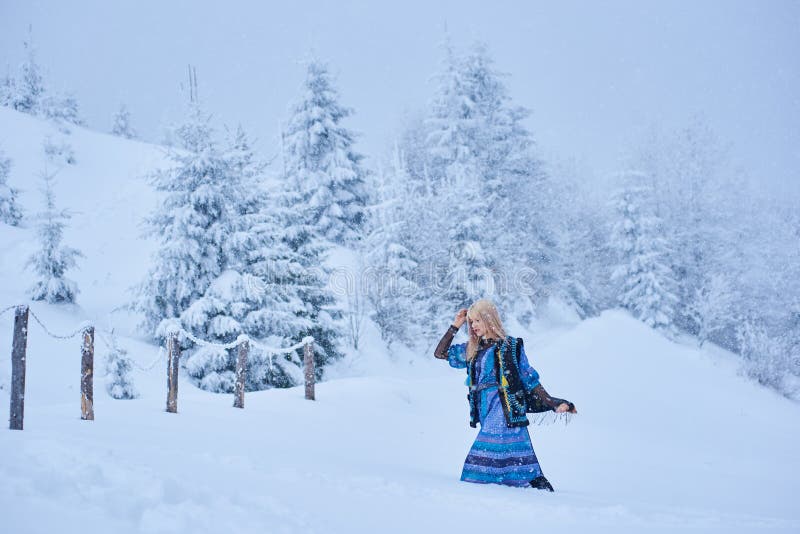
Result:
<point x="668" y="437"/>
<point x="108" y="194"/>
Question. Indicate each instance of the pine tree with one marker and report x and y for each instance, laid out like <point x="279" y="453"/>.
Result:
<point x="10" y="212"/>
<point x="391" y="287"/>
<point x="517" y="193"/>
<point x="62" y="109"/>
<point x="29" y="93"/>
<point x="766" y="358"/>
<point x="52" y="260"/>
<point x="30" y="89"/>
<point x="714" y="306"/>
<point x="321" y="162"/>
<point x="453" y="125"/>
<point x="321" y="314"/>
<point x="122" y="123"/>
<point x="191" y="225"/>
<point x="8" y="90"/>
<point x="119" y="383"/>
<point x="251" y="296"/>
<point x="490" y="186"/>
<point x="646" y="284"/>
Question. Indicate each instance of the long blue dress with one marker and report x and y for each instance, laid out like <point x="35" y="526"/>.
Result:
<point x="499" y="455"/>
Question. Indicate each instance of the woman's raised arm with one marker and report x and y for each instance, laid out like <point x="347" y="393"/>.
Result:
<point x="447" y="338"/>
<point x="444" y="343"/>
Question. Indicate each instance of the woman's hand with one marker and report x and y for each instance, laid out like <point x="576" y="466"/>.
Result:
<point x="564" y="407"/>
<point x="461" y="316"/>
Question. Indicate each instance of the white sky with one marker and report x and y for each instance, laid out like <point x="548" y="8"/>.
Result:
<point x="595" y="74"/>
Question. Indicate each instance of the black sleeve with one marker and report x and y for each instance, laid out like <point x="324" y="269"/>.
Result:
<point x="544" y="401"/>
<point x="444" y="343"/>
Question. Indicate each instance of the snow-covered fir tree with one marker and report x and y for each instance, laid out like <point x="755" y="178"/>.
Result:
<point x="514" y="188"/>
<point x="118" y="380"/>
<point x="320" y="159"/>
<point x="695" y="199"/>
<point x="51" y="262"/>
<point x="391" y="285"/>
<point x="27" y="92"/>
<point x="8" y="90"/>
<point x="62" y="109"/>
<point x="321" y="313"/>
<point x="714" y="306"/>
<point x="122" y="123"/>
<point x="254" y="294"/>
<point x="480" y="165"/>
<point x="10" y="212"/>
<point x="646" y="286"/>
<point x="453" y="132"/>
<point x="191" y="225"/>
<point x="766" y="358"/>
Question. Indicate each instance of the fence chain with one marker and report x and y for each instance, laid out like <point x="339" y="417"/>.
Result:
<point x="83" y="327"/>
<point x="241" y="339"/>
<point x="9" y="308"/>
<point x="233" y="344"/>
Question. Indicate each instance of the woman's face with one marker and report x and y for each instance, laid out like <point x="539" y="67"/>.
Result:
<point x="478" y="325"/>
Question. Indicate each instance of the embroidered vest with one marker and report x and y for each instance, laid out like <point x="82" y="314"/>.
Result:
<point x="510" y="387"/>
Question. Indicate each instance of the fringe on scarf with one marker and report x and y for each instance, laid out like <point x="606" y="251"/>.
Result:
<point x="550" y="418"/>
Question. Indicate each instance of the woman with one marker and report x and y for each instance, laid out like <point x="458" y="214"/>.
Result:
<point x="502" y="452"/>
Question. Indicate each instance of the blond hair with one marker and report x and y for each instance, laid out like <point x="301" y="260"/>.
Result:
<point x="487" y="311"/>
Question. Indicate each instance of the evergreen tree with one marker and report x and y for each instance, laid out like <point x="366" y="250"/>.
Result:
<point x="30" y="89"/>
<point x="119" y="383"/>
<point x="694" y="198"/>
<point x="191" y="225"/>
<point x="392" y="288"/>
<point x="122" y="123"/>
<point x="8" y="90"/>
<point x="582" y="266"/>
<point x="52" y="260"/>
<point x="254" y="294"/>
<point x="321" y="162"/>
<point x="63" y="110"/>
<point x="480" y="164"/>
<point x="10" y="212"/>
<point x="646" y="283"/>
<point x="456" y="172"/>
<point x="766" y="358"/>
<point x="714" y="306"/>
<point x="29" y="94"/>
<point x="320" y="313"/>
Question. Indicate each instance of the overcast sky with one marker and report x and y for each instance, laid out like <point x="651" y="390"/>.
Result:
<point x="595" y="74"/>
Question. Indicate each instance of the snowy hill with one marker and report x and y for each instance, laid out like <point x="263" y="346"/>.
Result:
<point x="112" y="198"/>
<point x="667" y="437"/>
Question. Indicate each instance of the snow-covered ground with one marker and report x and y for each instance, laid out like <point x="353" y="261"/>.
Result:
<point x="667" y="437"/>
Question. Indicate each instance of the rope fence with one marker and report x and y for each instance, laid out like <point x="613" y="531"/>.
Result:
<point x="173" y="350"/>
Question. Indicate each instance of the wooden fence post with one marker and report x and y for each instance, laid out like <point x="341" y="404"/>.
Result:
<point x="87" y="374"/>
<point x="308" y="361"/>
<point x="173" y="358"/>
<point x="241" y="368"/>
<point x="19" y="346"/>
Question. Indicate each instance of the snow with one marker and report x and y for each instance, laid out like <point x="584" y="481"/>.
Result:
<point x="680" y="442"/>
<point x="668" y="436"/>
